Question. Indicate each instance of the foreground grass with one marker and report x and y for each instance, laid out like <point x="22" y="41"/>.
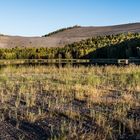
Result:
<point x="70" y="103"/>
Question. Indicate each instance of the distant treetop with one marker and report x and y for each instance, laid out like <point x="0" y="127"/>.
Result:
<point x="61" y="30"/>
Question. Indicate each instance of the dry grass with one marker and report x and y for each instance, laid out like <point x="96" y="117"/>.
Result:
<point x="65" y="103"/>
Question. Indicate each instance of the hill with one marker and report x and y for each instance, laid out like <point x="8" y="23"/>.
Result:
<point x="110" y="46"/>
<point x="66" y="36"/>
<point x="87" y="32"/>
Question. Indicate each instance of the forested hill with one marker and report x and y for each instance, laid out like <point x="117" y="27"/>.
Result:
<point x="65" y="36"/>
<point x="111" y="46"/>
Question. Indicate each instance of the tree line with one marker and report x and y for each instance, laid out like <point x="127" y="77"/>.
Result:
<point x="110" y="46"/>
<point x="61" y="30"/>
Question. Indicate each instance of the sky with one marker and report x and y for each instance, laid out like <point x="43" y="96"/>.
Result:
<point x="39" y="17"/>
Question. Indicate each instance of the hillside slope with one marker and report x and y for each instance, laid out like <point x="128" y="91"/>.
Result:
<point x="68" y="36"/>
<point x="87" y="32"/>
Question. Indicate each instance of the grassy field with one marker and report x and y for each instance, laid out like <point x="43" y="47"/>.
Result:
<point x="81" y="103"/>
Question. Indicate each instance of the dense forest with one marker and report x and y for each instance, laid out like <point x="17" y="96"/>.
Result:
<point x="111" y="46"/>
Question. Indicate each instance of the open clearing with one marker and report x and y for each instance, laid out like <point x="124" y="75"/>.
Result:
<point x="46" y="102"/>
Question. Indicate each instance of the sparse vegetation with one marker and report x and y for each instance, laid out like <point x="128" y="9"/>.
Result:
<point x="39" y="102"/>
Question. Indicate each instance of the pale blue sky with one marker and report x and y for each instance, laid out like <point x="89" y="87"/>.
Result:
<point x="38" y="17"/>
